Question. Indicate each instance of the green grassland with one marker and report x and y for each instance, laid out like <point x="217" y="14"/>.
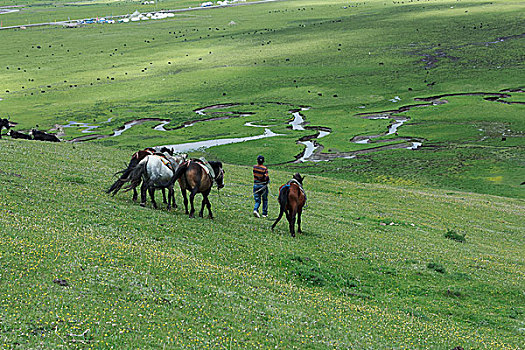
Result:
<point x="373" y="269"/>
<point x="381" y="263"/>
<point x="332" y="59"/>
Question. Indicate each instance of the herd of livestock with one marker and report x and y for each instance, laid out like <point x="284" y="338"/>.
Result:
<point x="153" y="169"/>
<point x="34" y="134"/>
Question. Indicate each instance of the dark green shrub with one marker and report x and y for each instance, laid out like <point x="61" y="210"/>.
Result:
<point x="317" y="274"/>
<point x="74" y="179"/>
<point x="436" y="267"/>
<point x="454" y="292"/>
<point x="453" y="235"/>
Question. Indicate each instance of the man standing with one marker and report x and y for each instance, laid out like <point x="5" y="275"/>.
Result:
<point x="260" y="187"/>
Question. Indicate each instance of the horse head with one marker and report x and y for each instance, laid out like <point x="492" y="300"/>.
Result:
<point x="166" y="150"/>
<point x="298" y="178"/>
<point x="219" y="174"/>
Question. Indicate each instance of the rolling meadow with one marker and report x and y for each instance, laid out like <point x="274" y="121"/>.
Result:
<point x="414" y="229"/>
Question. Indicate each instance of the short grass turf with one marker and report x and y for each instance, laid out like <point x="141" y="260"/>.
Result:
<point x="375" y="268"/>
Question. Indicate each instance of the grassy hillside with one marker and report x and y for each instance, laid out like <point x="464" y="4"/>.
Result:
<point x="402" y="248"/>
<point x="374" y="269"/>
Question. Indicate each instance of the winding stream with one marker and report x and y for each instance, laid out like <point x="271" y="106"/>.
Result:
<point x="161" y="126"/>
<point x="311" y="146"/>
<point x="4" y="11"/>
<point x="88" y="128"/>
<point x="116" y="132"/>
<point x="313" y="150"/>
<point x="298" y="120"/>
<point x="200" y="145"/>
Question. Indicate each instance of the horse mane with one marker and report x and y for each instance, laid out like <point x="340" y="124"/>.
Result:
<point x="216" y="166"/>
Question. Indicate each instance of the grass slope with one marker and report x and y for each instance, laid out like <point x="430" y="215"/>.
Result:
<point x="374" y="268"/>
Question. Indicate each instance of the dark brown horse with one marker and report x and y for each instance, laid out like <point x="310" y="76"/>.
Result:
<point x="194" y="176"/>
<point x="292" y="199"/>
<point x="135" y="159"/>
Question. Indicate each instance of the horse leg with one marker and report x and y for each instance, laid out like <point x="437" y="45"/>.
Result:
<point x="151" y="191"/>
<point x="171" y="198"/>
<point x="291" y="221"/>
<point x="299" y="221"/>
<point x="201" y="213"/>
<point x="192" y="196"/>
<point x="143" y="189"/>
<point x="183" y="191"/>
<point x="164" y="197"/>
<point x="210" y="214"/>
<point x="206" y="200"/>
<point x="135" y="195"/>
<point x="278" y="218"/>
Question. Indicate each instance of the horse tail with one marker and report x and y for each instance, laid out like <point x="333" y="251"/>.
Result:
<point x="135" y="176"/>
<point x="283" y="195"/>
<point x="117" y="185"/>
<point x="181" y="169"/>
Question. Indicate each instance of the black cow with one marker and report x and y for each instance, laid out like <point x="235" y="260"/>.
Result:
<point x="42" y="136"/>
<point x="18" y="135"/>
<point x="4" y="123"/>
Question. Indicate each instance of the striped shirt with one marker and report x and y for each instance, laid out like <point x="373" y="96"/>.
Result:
<point x="260" y="174"/>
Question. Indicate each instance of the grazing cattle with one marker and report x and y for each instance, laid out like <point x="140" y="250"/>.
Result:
<point x="18" y="135"/>
<point x="196" y="177"/>
<point x="42" y="136"/>
<point x="4" y="123"/>
<point x="292" y="199"/>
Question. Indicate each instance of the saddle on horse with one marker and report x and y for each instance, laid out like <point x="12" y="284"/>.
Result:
<point x="294" y="181"/>
<point x="206" y="167"/>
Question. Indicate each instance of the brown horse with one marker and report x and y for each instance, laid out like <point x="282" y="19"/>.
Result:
<point x="292" y="199"/>
<point x="195" y="177"/>
<point x="135" y="159"/>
